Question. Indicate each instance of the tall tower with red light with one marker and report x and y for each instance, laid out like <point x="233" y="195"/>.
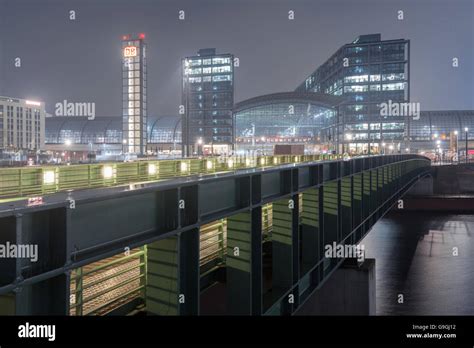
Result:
<point x="134" y="103"/>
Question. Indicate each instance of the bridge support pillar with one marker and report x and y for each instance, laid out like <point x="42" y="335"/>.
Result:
<point x="331" y="226"/>
<point x="244" y="263"/>
<point x="173" y="275"/>
<point x="285" y="265"/>
<point x="310" y="230"/>
<point x="350" y="290"/>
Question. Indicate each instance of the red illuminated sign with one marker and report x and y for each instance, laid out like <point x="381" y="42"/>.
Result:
<point x="130" y="51"/>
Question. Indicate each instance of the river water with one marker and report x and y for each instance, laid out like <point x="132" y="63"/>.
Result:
<point x="426" y="257"/>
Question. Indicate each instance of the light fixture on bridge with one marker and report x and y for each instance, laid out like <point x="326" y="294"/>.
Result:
<point x="108" y="172"/>
<point x="209" y="165"/>
<point x="184" y="167"/>
<point x="49" y="177"/>
<point x="151" y="169"/>
<point x="230" y="163"/>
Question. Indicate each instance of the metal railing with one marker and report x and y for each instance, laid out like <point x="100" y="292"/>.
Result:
<point x="105" y="285"/>
<point x="34" y="181"/>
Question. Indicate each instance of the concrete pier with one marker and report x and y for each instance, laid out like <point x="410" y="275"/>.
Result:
<point x="349" y="291"/>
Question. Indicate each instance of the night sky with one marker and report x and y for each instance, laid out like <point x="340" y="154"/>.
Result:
<point x="81" y="60"/>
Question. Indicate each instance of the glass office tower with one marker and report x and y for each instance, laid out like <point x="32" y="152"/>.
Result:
<point x="367" y="73"/>
<point x="208" y="98"/>
<point x="134" y="94"/>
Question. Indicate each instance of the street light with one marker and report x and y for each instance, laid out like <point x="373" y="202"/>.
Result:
<point x="262" y="139"/>
<point x="457" y="144"/>
<point x="466" y="130"/>
<point x="90" y="152"/>
<point x="349" y="138"/>
<point x="199" y="142"/>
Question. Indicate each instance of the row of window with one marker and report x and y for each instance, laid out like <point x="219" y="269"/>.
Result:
<point x="209" y="61"/>
<point x="216" y="78"/>
<point x="384" y="87"/>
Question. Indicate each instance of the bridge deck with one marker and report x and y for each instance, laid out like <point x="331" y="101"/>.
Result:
<point x="267" y="227"/>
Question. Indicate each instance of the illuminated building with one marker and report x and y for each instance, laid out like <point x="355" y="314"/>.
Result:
<point x="208" y="97"/>
<point x="286" y="118"/>
<point x="367" y="72"/>
<point x="134" y="104"/>
<point x="104" y="134"/>
<point x="22" y="124"/>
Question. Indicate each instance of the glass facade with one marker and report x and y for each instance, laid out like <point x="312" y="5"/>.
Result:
<point x="134" y="94"/>
<point x="108" y="130"/>
<point x="208" y="98"/>
<point x="440" y="128"/>
<point x="309" y="124"/>
<point x="367" y="73"/>
<point x="284" y="118"/>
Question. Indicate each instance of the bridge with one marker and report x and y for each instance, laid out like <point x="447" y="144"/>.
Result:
<point x="240" y="235"/>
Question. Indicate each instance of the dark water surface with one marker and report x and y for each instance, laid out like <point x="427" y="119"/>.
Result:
<point x="414" y="257"/>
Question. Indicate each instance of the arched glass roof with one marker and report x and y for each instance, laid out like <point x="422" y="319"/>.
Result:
<point x="108" y="130"/>
<point x="290" y="117"/>
<point x="439" y="124"/>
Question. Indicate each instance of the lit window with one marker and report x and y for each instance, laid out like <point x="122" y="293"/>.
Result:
<point x="219" y="60"/>
<point x="218" y="78"/>
<point x="221" y="69"/>
<point x="393" y="86"/>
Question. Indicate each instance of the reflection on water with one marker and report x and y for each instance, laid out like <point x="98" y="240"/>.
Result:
<point x="414" y="257"/>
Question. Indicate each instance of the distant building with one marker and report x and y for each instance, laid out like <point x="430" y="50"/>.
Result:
<point x="367" y="72"/>
<point x="289" y="118"/>
<point x="134" y="92"/>
<point x="104" y="135"/>
<point x="22" y="124"/>
<point x="208" y="97"/>
<point x="442" y="129"/>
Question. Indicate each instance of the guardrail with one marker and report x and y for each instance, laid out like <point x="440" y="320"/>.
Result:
<point x="105" y="285"/>
<point x="34" y="181"/>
